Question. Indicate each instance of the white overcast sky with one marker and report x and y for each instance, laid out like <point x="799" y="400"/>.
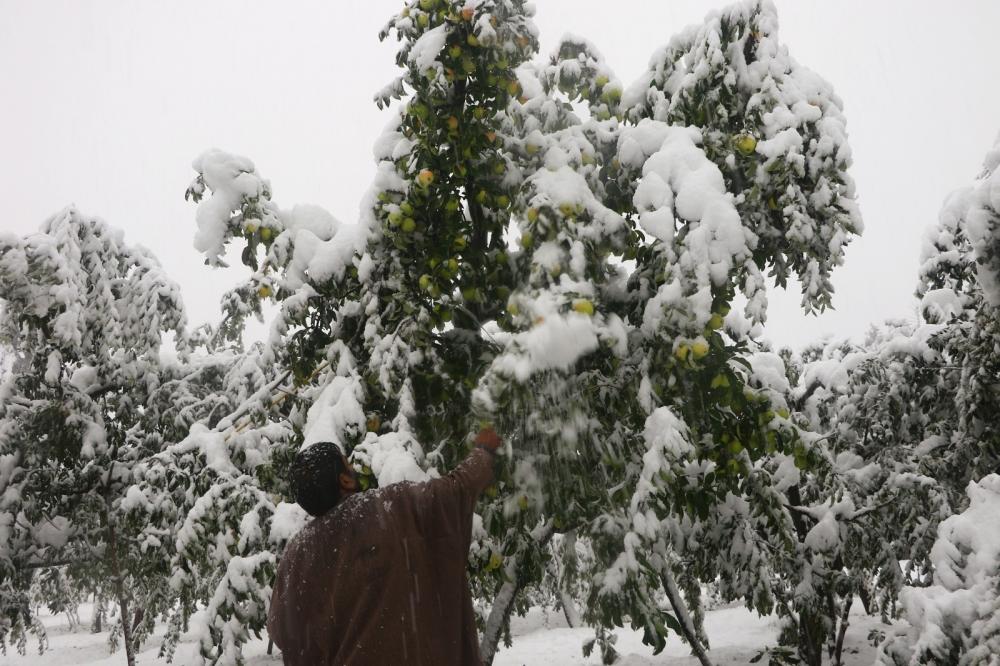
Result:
<point x="105" y="104"/>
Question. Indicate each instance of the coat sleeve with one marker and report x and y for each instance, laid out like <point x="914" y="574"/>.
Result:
<point x="446" y="504"/>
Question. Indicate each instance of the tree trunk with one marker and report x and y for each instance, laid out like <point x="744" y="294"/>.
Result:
<point x="842" y="632"/>
<point x="97" y="625"/>
<point x="126" y="625"/>
<point x="73" y="615"/>
<point x="502" y="606"/>
<point x="120" y="593"/>
<point x="811" y="637"/>
<point x="569" y="609"/>
<point x="503" y="603"/>
<point x="138" y="617"/>
<point x="568" y="558"/>
<point x="688" y="629"/>
<point x="810" y="624"/>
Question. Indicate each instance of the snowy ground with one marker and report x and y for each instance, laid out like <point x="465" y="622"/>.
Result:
<point x="539" y="638"/>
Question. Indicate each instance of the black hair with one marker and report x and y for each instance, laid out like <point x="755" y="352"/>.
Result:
<point x="316" y="477"/>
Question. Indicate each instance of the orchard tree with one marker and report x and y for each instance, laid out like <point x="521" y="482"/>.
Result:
<point x="953" y="616"/>
<point x="570" y="276"/>
<point x="710" y="201"/>
<point x="882" y="407"/>
<point x="90" y="395"/>
<point x="959" y="289"/>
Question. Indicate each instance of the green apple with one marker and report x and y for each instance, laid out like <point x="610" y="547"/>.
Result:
<point x="583" y="306"/>
<point x="745" y="144"/>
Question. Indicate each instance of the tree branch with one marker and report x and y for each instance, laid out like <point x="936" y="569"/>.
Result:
<point x="503" y="603"/>
<point x="30" y="566"/>
<point x="683" y="618"/>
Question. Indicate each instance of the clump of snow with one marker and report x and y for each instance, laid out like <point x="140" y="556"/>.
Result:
<point x="310" y="217"/>
<point x="231" y="179"/>
<point x="678" y="177"/>
<point x="54" y="532"/>
<point x="53" y="368"/>
<point x="425" y="51"/>
<point x="135" y="499"/>
<point x="941" y="305"/>
<point x="964" y="247"/>
<point x="336" y="415"/>
<point x="667" y="446"/>
<point x="786" y="474"/>
<point x="392" y="457"/>
<point x="555" y="343"/>
<point x="84" y="378"/>
<point x="286" y="521"/>
<point x="334" y="256"/>
<point x="824" y="535"/>
<point x="213" y="445"/>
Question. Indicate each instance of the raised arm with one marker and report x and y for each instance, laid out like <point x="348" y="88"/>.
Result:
<point x="446" y="504"/>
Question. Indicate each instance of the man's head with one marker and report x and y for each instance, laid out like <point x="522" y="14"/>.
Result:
<point x="321" y="477"/>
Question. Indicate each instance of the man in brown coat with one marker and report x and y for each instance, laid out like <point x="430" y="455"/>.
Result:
<point x="378" y="578"/>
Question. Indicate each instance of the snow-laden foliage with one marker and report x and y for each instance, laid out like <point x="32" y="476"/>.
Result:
<point x="959" y="275"/>
<point x="775" y="130"/>
<point x="549" y="250"/>
<point x="953" y="619"/>
<point x="567" y="276"/>
<point x="910" y="417"/>
<point x="881" y="406"/>
<point x="91" y="394"/>
<point x="956" y="619"/>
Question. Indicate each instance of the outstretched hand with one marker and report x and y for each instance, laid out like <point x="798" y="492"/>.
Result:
<point x="488" y="439"/>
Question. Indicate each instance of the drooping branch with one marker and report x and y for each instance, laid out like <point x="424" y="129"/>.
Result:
<point x="683" y="617"/>
<point x="503" y="603"/>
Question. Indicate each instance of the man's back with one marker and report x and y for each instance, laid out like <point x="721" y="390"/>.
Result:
<point x="381" y="579"/>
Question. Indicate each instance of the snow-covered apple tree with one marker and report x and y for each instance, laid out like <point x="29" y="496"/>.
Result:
<point x="907" y="417"/>
<point x="90" y="395"/>
<point x="953" y="616"/>
<point x="881" y="407"/>
<point x="583" y="265"/>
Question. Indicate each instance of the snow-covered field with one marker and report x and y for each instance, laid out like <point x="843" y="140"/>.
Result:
<point x="539" y="638"/>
